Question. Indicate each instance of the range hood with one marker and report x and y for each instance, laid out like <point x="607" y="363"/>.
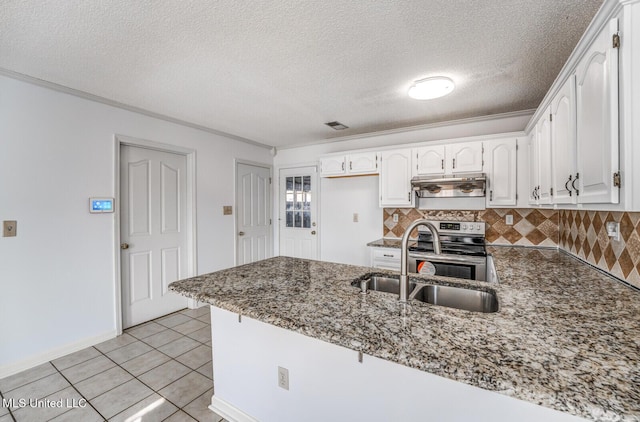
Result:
<point x="457" y="186"/>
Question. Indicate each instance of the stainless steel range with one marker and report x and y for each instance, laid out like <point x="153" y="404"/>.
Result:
<point x="463" y="251"/>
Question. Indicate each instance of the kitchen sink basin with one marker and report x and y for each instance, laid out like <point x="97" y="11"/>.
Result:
<point x="380" y="283"/>
<point x="456" y="297"/>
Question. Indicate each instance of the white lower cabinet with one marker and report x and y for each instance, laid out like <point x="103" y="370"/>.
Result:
<point x="501" y="159"/>
<point x="385" y="258"/>
<point x="396" y="170"/>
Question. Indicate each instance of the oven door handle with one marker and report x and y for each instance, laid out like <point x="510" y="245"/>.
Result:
<point x="460" y="259"/>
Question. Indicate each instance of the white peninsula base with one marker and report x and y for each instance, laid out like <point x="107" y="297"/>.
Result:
<point x="327" y="382"/>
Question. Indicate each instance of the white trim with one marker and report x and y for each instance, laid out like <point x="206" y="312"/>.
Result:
<point x="91" y="97"/>
<point x="228" y="411"/>
<point x="235" y="203"/>
<point x="192" y="245"/>
<point x="55" y="353"/>
<point x="479" y="119"/>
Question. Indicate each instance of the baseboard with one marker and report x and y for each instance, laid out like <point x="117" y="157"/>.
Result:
<point x="228" y="411"/>
<point x="49" y="355"/>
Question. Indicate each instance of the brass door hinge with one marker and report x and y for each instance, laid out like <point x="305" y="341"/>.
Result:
<point x="616" y="40"/>
<point x="617" y="182"/>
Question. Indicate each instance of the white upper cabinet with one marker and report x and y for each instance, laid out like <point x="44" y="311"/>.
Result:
<point x="543" y="134"/>
<point x="395" y="178"/>
<point x="349" y="165"/>
<point x="540" y="161"/>
<point x="563" y="135"/>
<point x="500" y="165"/>
<point x="333" y="166"/>
<point x="430" y="160"/>
<point x="363" y="163"/>
<point x="449" y="159"/>
<point x="466" y="158"/>
<point x="597" y="120"/>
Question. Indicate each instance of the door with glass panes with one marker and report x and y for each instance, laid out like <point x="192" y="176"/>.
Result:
<point x="298" y="211"/>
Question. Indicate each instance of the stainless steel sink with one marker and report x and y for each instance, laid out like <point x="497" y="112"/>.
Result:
<point x="456" y="297"/>
<point x="381" y="283"/>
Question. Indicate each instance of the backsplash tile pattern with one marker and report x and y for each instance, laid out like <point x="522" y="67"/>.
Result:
<point x="581" y="233"/>
<point x="584" y="234"/>
<point x="531" y="227"/>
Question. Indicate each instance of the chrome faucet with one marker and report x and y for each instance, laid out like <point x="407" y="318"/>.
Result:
<point x="404" y="278"/>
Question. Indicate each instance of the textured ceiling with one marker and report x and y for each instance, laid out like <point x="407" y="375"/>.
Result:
<point x="275" y="71"/>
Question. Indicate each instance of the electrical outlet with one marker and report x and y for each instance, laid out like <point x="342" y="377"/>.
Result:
<point x="395" y="218"/>
<point x="227" y="210"/>
<point x="355" y="217"/>
<point x="283" y="378"/>
<point x="613" y="230"/>
<point x="9" y="228"/>
<point x="508" y="219"/>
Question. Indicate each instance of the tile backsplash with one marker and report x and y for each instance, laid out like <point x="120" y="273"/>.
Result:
<point x="531" y="227"/>
<point x="584" y="234"/>
<point x="581" y="233"/>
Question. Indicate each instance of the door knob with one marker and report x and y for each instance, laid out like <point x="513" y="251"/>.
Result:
<point x="124" y="246"/>
<point x="313" y="232"/>
<point x="241" y="234"/>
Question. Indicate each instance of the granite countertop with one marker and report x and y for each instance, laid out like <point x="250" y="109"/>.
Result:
<point x="566" y="336"/>
<point x="386" y="243"/>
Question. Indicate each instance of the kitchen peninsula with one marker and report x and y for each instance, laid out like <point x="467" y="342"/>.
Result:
<point x="566" y="337"/>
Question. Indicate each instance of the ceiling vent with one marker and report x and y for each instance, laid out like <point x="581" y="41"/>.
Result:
<point x="337" y="126"/>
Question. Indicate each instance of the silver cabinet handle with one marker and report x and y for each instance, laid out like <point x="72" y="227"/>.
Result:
<point x="566" y="187"/>
<point x="350" y="165"/>
<point x="343" y="166"/>
<point x="491" y="195"/>
<point x="454" y="163"/>
<point x="442" y="163"/>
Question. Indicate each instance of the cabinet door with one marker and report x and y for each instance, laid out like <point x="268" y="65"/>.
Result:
<point x="597" y="120"/>
<point x="395" y="179"/>
<point x="363" y="163"/>
<point x="466" y="158"/>
<point x="543" y="135"/>
<point x="563" y="134"/>
<point x="500" y="166"/>
<point x="333" y="166"/>
<point x="430" y="160"/>
<point x="534" y="159"/>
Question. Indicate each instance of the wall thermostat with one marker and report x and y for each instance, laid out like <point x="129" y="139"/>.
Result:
<point x="100" y="205"/>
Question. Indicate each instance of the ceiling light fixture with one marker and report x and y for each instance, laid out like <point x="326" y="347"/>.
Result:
<point x="429" y="88"/>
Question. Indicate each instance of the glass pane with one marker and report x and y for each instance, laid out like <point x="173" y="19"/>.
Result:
<point x="306" y="220"/>
<point x="306" y="183"/>
<point x="298" y="184"/>
<point x="298" y="222"/>
<point x="307" y="201"/>
<point x="289" y="218"/>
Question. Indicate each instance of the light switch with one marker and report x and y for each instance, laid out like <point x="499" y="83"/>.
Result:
<point x="227" y="210"/>
<point x="9" y="228"/>
<point x="395" y="218"/>
<point x="613" y="230"/>
<point x="355" y="217"/>
<point x="508" y="219"/>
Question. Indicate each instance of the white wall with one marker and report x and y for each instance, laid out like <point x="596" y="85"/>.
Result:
<point x="341" y="239"/>
<point x="57" y="276"/>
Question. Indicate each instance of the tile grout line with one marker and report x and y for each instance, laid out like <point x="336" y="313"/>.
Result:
<point x="8" y="408"/>
<point x="74" y="387"/>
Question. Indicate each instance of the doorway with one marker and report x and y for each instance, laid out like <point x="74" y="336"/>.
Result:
<point x="253" y="213"/>
<point x="299" y="212"/>
<point x="155" y="228"/>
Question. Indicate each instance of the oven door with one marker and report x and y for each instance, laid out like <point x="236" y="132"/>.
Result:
<point x="460" y="266"/>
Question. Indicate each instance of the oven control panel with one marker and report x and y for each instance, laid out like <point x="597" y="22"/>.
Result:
<point x="459" y="227"/>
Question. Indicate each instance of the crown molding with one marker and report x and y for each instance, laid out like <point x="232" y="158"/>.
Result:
<point x="96" y="98"/>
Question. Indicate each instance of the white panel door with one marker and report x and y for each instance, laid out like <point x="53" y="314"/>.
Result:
<point x="501" y="171"/>
<point x="333" y="166"/>
<point x="363" y="163"/>
<point x="430" y="160"/>
<point x="597" y="120"/>
<point x="543" y="135"/>
<point x="466" y="158"/>
<point x="395" y="178"/>
<point x="298" y="212"/>
<point x="563" y="135"/>
<point x="253" y="193"/>
<point x="152" y="231"/>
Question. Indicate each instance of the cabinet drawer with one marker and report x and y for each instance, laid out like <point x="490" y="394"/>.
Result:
<point x="386" y="254"/>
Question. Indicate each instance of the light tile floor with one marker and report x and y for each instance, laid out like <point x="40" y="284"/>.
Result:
<point x="157" y="371"/>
